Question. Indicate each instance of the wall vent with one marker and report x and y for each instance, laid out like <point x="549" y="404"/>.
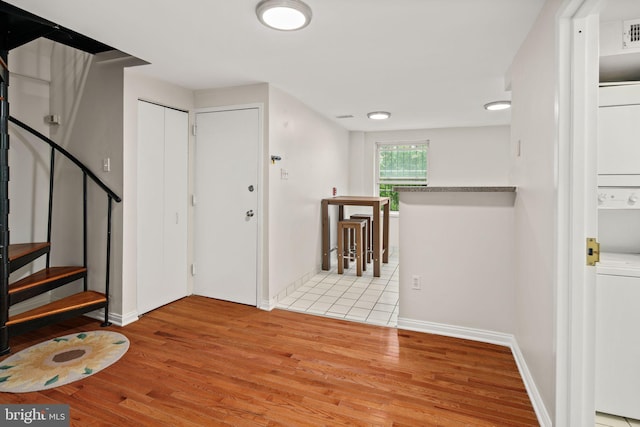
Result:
<point x="631" y="34"/>
<point x="345" y="116"/>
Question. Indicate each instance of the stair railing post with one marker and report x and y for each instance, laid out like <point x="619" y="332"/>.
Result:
<point x="108" y="275"/>
<point x="52" y="165"/>
<point x="84" y="226"/>
<point x="4" y="193"/>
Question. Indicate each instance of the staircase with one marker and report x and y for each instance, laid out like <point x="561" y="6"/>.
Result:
<point x="18" y="27"/>
<point x="44" y="281"/>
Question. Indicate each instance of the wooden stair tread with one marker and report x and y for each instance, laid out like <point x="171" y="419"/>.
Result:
<point x="72" y="302"/>
<point x="21" y="249"/>
<point x="44" y="276"/>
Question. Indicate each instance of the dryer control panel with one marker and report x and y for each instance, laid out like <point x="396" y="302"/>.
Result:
<point x="619" y="198"/>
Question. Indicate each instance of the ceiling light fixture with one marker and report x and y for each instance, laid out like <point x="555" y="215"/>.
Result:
<point x="379" y="115"/>
<point x="497" y="105"/>
<point x="285" y="15"/>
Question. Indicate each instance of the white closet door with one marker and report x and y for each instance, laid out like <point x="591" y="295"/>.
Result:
<point x="176" y="125"/>
<point x="162" y="205"/>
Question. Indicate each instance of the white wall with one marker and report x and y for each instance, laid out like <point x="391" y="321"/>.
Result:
<point x="315" y="152"/>
<point x="29" y="83"/>
<point x="533" y="84"/>
<point x="457" y="156"/>
<point x="30" y="80"/>
<point x="137" y="86"/>
<point x="93" y="133"/>
<point x="460" y="245"/>
<point x="436" y="230"/>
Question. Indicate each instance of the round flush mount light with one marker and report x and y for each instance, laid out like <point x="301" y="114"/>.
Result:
<point x="284" y="15"/>
<point x="379" y="115"/>
<point x="497" y="105"/>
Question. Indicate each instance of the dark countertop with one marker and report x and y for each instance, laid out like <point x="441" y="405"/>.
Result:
<point x="459" y="189"/>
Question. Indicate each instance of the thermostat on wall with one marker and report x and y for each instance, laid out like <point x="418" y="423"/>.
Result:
<point x="52" y="119"/>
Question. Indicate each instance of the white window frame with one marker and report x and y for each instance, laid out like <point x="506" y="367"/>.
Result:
<point x="377" y="161"/>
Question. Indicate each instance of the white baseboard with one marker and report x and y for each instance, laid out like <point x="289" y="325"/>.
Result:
<point x="115" y="318"/>
<point x="268" y="305"/>
<point x="536" y="400"/>
<point x="288" y="290"/>
<point x="490" y="337"/>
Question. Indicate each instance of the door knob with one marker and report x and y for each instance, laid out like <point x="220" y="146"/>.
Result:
<point x="250" y="213"/>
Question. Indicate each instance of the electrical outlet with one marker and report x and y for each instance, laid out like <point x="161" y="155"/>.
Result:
<point x="415" y="282"/>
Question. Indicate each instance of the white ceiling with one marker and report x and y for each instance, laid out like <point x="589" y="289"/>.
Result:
<point x="431" y="63"/>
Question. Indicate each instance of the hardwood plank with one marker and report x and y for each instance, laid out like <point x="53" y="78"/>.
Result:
<point x="200" y="361"/>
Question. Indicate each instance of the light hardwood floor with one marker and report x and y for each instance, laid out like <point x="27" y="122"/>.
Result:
<point x="202" y="362"/>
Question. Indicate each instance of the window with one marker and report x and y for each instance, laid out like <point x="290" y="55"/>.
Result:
<point x="403" y="163"/>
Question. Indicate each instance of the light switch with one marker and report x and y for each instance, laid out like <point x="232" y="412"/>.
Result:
<point x="106" y="164"/>
<point x="284" y="174"/>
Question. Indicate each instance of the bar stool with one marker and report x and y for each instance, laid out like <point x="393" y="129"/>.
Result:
<point x="370" y="225"/>
<point x="344" y="246"/>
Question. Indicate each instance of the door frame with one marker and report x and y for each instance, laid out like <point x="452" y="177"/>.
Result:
<point x="262" y="205"/>
<point x="576" y="210"/>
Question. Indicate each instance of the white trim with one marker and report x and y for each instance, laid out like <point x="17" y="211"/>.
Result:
<point x="481" y="335"/>
<point x="115" y="318"/>
<point x="267" y="305"/>
<point x="262" y="205"/>
<point x="270" y="304"/>
<point x="490" y="337"/>
<point x="536" y="399"/>
<point x="575" y="216"/>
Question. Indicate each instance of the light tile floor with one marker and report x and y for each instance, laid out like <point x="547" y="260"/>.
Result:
<point x="606" y="420"/>
<point x="365" y="299"/>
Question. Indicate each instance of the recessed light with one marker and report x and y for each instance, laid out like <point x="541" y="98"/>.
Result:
<point x="379" y="115"/>
<point x="497" y="105"/>
<point x="285" y="15"/>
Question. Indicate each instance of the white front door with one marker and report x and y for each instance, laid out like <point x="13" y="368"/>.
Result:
<point x="226" y="205"/>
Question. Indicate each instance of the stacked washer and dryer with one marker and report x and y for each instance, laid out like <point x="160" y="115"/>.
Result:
<point x="618" y="273"/>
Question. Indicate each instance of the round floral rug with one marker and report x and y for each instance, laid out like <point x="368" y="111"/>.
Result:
<point x="61" y="361"/>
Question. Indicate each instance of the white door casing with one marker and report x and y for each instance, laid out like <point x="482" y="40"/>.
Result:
<point x="576" y="213"/>
<point x="226" y="212"/>
<point x="163" y="138"/>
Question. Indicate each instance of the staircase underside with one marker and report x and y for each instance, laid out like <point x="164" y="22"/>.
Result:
<point x="21" y="27"/>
